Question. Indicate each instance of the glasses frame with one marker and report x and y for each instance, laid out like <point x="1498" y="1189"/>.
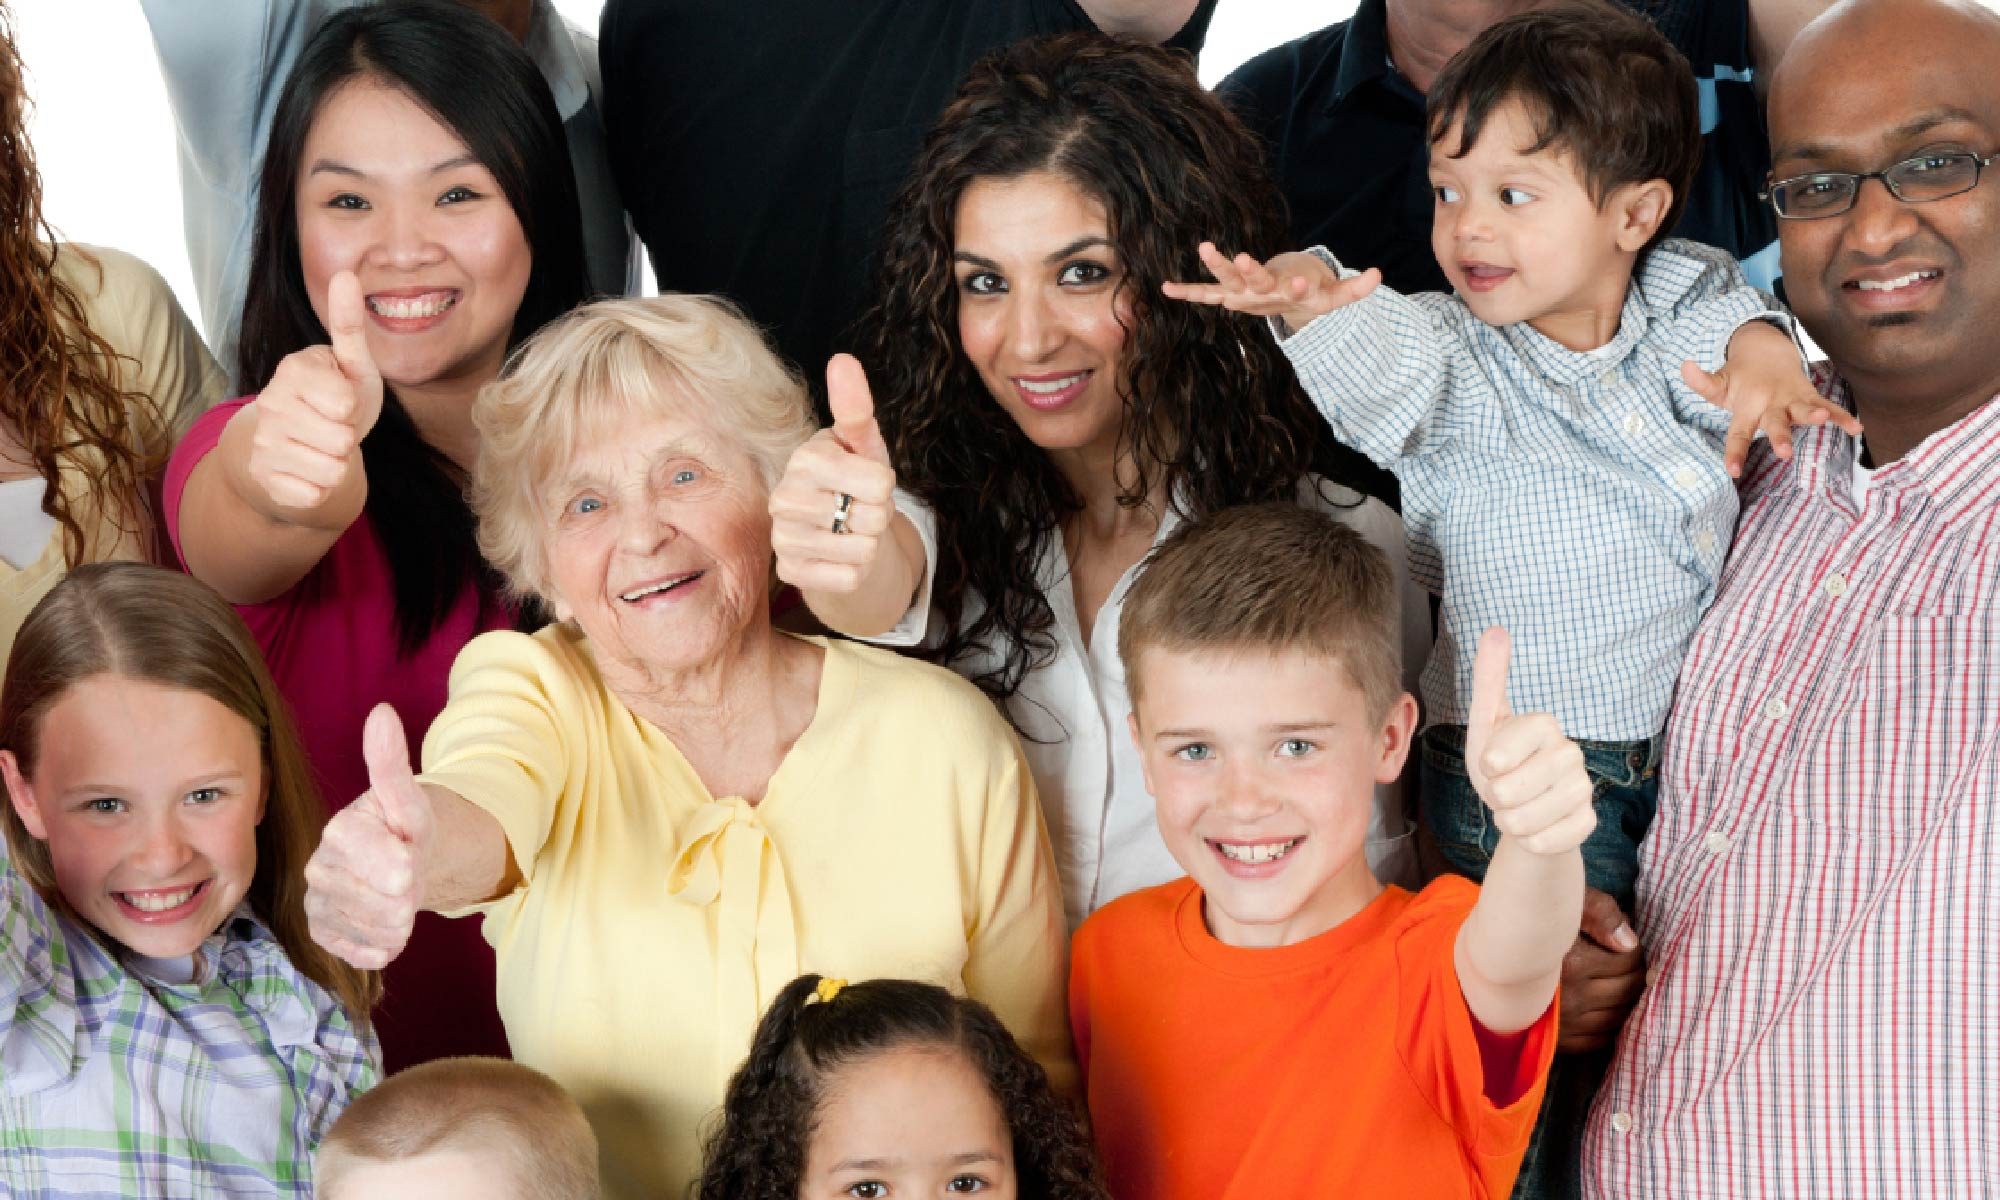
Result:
<point x="1770" y="193"/>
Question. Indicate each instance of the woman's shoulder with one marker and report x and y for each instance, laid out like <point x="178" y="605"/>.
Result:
<point x="901" y="688"/>
<point x="556" y="656"/>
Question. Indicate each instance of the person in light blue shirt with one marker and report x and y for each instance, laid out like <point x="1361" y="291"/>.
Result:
<point x="225" y="65"/>
<point x="1565" y="428"/>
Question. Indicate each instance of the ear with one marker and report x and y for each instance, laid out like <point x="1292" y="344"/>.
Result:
<point x="1640" y="208"/>
<point x="1139" y="744"/>
<point x="22" y="793"/>
<point x="1399" y="729"/>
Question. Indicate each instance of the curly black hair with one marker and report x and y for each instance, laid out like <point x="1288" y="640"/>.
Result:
<point x="758" y="1151"/>
<point x="1213" y="415"/>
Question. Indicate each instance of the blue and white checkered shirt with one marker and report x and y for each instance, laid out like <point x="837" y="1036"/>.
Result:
<point x="1578" y="499"/>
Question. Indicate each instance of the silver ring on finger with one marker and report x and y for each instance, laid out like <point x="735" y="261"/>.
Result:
<point x="841" y="511"/>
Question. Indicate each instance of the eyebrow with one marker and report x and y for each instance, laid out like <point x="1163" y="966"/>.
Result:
<point x="678" y="448"/>
<point x="1285" y="727"/>
<point x="332" y="166"/>
<point x="877" y="1164"/>
<point x="1074" y="248"/>
<point x="1920" y="124"/>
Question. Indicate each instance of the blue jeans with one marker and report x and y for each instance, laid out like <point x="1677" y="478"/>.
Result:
<point x="1626" y="792"/>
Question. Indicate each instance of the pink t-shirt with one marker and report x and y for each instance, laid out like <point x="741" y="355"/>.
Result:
<point x="331" y="645"/>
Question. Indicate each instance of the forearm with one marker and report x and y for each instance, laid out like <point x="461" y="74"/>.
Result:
<point x="243" y="544"/>
<point x="470" y="861"/>
<point x="1762" y="346"/>
<point x="887" y="588"/>
<point x="1510" y="951"/>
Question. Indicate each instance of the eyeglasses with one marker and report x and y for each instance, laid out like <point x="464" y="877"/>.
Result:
<point x="1913" y="181"/>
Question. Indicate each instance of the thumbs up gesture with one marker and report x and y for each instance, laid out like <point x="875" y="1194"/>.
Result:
<point x="1527" y="772"/>
<point x="319" y="404"/>
<point x="834" y="504"/>
<point x="364" y="884"/>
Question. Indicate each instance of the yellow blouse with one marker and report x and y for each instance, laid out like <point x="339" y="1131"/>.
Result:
<point x="900" y="837"/>
<point x="130" y="307"/>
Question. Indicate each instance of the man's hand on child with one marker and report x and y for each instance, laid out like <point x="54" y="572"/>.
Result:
<point x="1526" y="771"/>
<point x="1602" y="977"/>
<point x="1294" y="287"/>
<point x="364" y="884"/>
<point x="1763" y="387"/>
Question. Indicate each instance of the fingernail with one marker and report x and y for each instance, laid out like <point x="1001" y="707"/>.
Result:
<point x="1625" y="938"/>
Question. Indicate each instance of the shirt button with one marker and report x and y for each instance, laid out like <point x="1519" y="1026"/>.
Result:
<point x="1687" y="477"/>
<point x="1836" y="585"/>
<point x="1717" y="842"/>
<point x="1776" y="709"/>
<point x="1704" y="541"/>
<point x="1608" y="377"/>
<point x="1621" y="1121"/>
<point x="1634" y="426"/>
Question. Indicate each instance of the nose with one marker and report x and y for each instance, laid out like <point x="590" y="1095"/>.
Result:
<point x="644" y="525"/>
<point x="1470" y="220"/>
<point x="408" y="237"/>
<point x="163" y="848"/>
<point x="1034" y="328"/>
<point x="1878" y="222"/>
<point x="1244" y="794"/>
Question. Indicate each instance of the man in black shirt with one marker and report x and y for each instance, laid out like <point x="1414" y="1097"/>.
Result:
<point x="1343" y="112"/>
<point x="758" y="143"/>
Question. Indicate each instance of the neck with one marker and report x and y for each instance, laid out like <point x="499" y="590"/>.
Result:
<point x="442" y="414"/>
<point x="1898" y="421"/>
<point x="733" y="698"/>
<point x="517" y="17"/>
<point x="1425" y="34"/>
<point x="1589" y="321"/>
<point x="1101" y="476"/>
<point x="1337" y="901"/>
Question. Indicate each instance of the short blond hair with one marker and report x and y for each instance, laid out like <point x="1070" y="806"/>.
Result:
<point x="488" y="1105"/>
<point x="1269" y="577"/>
<point x="591" y="372"/>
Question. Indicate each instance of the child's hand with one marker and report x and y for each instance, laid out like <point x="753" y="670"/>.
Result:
<point x="1526" y="771"/>
<point x="1763" y="387"/>
<point x="365" y="882"/>
<point x="1293" y="287"/>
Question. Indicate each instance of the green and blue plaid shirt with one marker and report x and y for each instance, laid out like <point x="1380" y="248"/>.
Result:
<point x="116" y="1085"/>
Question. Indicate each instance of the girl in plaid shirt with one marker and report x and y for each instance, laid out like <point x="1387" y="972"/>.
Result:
<point x="166" y="1026"/>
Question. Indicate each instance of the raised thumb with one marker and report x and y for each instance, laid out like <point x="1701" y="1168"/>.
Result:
<point x="403" y="804"/>
<point x="347" y="333"/>
<point x="1489" y="682"/>
<point x="853" y="406"/>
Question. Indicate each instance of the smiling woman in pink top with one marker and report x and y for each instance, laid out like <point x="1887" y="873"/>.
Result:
<point x="416" y="219"/>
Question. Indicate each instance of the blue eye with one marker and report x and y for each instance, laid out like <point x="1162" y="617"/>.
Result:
<point x="207" y="795"/>
<point x="686" y="475"/>
<point x="104" y="804"/>
<point x="1195" y="752"/>
<point x="583" y="506"/>
<point x="1295" y="748"/>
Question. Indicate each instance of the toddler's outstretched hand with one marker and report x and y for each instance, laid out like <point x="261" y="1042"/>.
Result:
<point x="1762" y="387"/>
<point x="1294" y="287"/>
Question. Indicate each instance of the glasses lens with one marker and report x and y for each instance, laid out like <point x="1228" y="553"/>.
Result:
<point x="1934" y="176"/>
<point x="1814" y="195"/>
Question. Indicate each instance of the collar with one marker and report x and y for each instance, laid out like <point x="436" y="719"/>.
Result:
<point x="552" y="46"/>
<point x="1563" y="367"/>
<point x="1958" y="467"/>
<point x="1364" y="52"/>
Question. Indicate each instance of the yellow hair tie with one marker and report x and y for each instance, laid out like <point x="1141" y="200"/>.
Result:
<point x="827" y="990"/>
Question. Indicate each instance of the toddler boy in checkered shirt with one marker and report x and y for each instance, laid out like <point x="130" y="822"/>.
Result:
<point x="1566" y="427"/>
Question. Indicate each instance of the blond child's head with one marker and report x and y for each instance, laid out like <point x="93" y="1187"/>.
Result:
<point x="460" y="1129"/>
<point x="1260" y="650"/>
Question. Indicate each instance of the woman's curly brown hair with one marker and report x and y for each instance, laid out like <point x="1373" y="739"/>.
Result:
<point x="58" y="378"/>
<point x="1214" y="416"/>
<point x="758" y="1152"/>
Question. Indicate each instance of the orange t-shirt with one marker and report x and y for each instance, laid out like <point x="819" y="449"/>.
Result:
<point x="1345" y="1065"/>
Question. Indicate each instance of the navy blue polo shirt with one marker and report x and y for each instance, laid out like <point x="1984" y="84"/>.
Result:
<point x="1351" y="152"/>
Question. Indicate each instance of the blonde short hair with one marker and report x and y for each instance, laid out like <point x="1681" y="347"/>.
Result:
<point x="1269" y="577"/>
<point x="590" y="373"/>
<point x="486" y="1105"/>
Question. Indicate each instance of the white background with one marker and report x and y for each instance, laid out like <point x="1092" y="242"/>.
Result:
<point x="104" y="137"/>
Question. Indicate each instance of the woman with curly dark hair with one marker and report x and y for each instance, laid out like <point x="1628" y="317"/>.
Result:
<point x="1046" y="417"/>
<point x="892" y="1088"/>
<point x="99" y="370"/>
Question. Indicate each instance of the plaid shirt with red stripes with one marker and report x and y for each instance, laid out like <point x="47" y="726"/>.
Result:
<point x="1820" y="893"/>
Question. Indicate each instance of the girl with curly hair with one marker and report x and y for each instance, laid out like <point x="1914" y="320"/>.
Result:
<point x="99" y="369"/>
<point x="892" y="1088"/>
<point x="1046" y="417"/>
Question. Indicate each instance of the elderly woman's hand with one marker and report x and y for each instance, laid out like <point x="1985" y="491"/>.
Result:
<point x="365" y="882"/>
<point x="830" y="511"/>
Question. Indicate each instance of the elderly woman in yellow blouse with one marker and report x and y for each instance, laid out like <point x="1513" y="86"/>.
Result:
<point x="665" y="808"/>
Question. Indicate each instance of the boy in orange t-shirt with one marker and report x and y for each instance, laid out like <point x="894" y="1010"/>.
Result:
<point x="1280" y="1024"/>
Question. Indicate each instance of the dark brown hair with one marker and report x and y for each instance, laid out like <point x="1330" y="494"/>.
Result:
<point x="1600" y="84"/>
<point x="1269" y="577"/>
<point x="758" y="1152"/>
<point x="1213" y="413"/>
<point x="147" y="623"/>
<point x="58" y="377"/>
<point x="486" y="1106"/>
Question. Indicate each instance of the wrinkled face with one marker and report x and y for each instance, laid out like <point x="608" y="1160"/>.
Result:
<point x="148" y="798"/>
<point x="1518" y="234"/>
<point x="910" y="1122"/>
<point x="387" y="191"/>
<point x="444" y="1174"/>
<point x="1905" y="296"/>
<point x="1263" y="769"/>
<point x="1042" y="310"/>
<point x="659" y="542"/>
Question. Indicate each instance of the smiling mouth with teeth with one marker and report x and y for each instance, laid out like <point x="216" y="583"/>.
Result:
<point x="654" y="589"/>
<point x="413" y="308"/>
<point x="1896" y="284"/>
<point x="1050" y="387"/>
<point x="157" y="902"/>
<point x="1256" y="855"/>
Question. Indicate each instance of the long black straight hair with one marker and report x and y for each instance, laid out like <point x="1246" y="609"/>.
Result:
<point x="466" y="71"/>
